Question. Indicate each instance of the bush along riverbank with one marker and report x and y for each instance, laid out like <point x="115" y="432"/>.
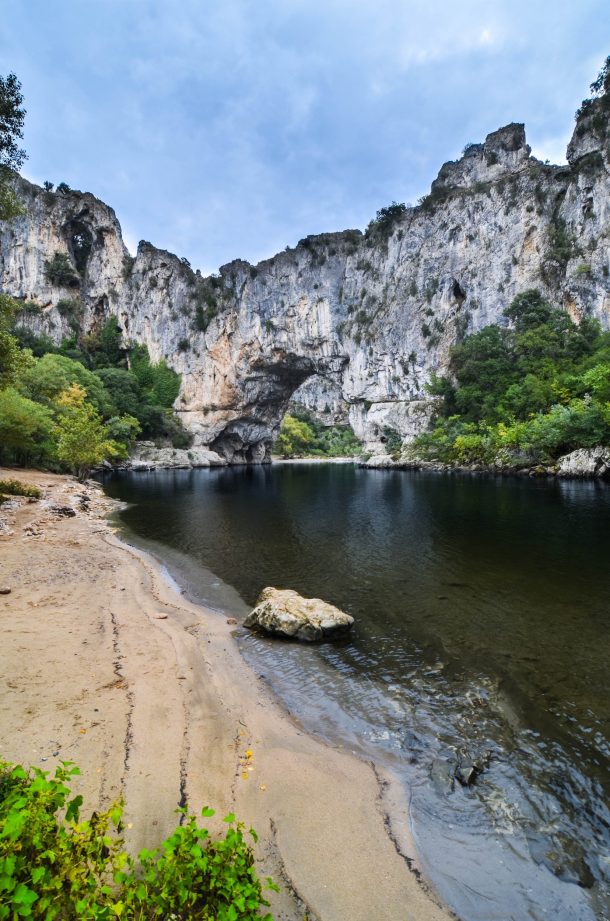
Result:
<point x="531" y="397"/>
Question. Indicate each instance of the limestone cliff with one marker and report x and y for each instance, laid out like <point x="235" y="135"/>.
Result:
<point x="353" y="324"/>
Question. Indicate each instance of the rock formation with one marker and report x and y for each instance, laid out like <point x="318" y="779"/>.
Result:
<point x="585" y="463"/>
<point x="285" y="613"/>
<point x="147" y="456"/>
<point x="350" y="324"/>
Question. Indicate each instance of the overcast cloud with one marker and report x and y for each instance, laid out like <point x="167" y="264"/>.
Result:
<point x="231" y="129"/>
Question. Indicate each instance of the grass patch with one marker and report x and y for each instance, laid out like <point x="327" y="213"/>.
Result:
<point x="16" y="488"/>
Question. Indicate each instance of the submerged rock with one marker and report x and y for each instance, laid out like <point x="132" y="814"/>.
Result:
<point x="283" y="612"/>
<point x="585" y="462"/>
<point x="462" y="766"/>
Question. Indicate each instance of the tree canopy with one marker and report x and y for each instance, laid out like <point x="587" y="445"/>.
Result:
<point x="527" y="392"/>
<point x="12" y="156"/>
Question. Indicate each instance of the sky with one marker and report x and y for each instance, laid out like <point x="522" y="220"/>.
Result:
<point x="232" y="129"/>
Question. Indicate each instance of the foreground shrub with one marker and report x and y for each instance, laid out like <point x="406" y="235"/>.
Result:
<point x="53" y="864"/>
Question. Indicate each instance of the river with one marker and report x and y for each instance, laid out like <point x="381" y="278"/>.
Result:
<point x="478" y="669"/>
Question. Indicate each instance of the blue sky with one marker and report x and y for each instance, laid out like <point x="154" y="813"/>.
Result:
<point x="230" y="129"/>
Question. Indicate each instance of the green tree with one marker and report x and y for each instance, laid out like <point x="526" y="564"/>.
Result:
<point x="601" y="84"/>
<point x="526" y="394"/>
<point x="123" y="430"/>
<point x="596" y="381"/>
<point x="38" y="345"/>
<point x="103" y="347"/>
<point x="110" y="341"/>
<point x="295" y="437"/>
<point x="124" y="390"/>
<point x="528" y="310"/>
<point x="483" y="365"/>
<point x="48" y="376"/>
<point x="158" y="382"/>
<point x="25" y="427"/>
<point x="59" y="271"/>
<point x="12" y="116"/>
<point x="13" y="361"/>
<point x="82" y="439"/>
<point x="385" y="219"/>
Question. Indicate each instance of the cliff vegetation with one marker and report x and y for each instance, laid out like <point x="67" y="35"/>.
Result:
<point x="522" y="394"/>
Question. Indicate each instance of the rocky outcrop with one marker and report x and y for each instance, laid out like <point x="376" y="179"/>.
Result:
<point x="285" y="613"/>
<point x="352" y="325"/>
<point x="147" y="456"/>
<point x="585" y="463"/>
<point x="380" y="462"/>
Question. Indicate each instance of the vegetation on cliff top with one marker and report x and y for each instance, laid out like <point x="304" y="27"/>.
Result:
<point x="56" y="865"/>
<point x="523" y="394"/>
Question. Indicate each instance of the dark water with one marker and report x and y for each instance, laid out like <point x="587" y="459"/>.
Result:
<point x="483" y="632"/>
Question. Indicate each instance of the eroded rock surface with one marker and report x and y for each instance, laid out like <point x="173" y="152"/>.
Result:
<point x="349" y="324"/>
<point x="146" y="456"/>
<point x="585" y="462"/>
<point x="285" y="613"/>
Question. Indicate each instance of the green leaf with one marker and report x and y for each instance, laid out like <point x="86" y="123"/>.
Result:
<point x="23" y="896"/>
<point x="73" y="810"/>
<point x="229" y="818"/>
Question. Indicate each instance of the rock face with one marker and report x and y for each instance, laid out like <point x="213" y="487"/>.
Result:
<point x="350" y="324"/>
<point x="380" y="462"/>
<point x="283" y="612"/>
<point x="146" y="456"/>
<point x="586" y="462"/>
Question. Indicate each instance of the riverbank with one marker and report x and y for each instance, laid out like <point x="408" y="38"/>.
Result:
<point x="581" y="464"/>
<point x="104" y="663"/>
<point x="276" y="459"/>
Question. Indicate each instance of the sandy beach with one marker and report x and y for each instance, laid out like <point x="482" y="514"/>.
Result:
<point x="105" y="663"/>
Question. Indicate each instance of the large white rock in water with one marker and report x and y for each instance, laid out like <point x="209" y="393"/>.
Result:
<point x="146" y="456"/>
<point x="585" y="462"/>
<point x="283" y="612"/>
<point x="378" y="461"/>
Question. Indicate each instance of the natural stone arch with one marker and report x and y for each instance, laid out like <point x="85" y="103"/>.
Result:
<point x="266" y="394"/>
